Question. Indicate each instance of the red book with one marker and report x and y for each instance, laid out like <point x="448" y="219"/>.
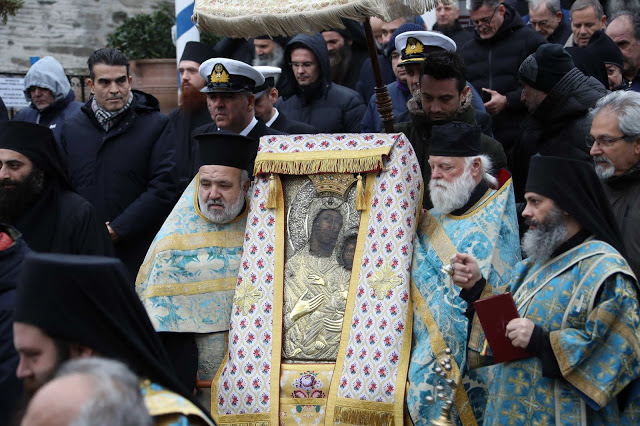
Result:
<point x="494" y="314"/>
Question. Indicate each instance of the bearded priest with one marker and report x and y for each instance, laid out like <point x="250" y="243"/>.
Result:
<point x="473" y="213"/>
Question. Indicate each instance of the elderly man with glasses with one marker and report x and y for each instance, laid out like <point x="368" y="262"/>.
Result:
<point x="614" y="141"/>
<point x="500" y="44"/>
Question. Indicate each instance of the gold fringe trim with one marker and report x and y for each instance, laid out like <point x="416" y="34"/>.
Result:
<point x="359" y="195"/>
<point x="310" y="163"/>
<point x="355" y="416"/>
<point x="273" y="197"/>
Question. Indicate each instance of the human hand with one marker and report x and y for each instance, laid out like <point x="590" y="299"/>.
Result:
<point x="519" y="331"/>
<point x="333" y="326"/>
<point x="303" y="307"/>
<point x="115" y="237"/>
<point x="497" y="103"/>
<point x="466" y="271"/>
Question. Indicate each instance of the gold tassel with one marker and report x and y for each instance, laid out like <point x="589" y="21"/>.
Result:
<point x="271" y="199"/>
<point x="359" y="195"/>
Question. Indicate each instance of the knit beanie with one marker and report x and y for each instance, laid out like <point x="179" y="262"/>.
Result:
<point x="544" y="68"/>
<point x="408" y="26"/>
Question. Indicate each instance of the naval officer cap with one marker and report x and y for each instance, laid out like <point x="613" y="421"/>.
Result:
<point x="228" y="75"/>
<point x="270" y="74"/>
<point x="414" y="45"/>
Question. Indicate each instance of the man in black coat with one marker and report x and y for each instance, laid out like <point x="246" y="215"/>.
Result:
<point x="443" y="97"/>
<point x="309" y="95"/>
<point x="192" y="111"/>
<point x="266" y="97"/>
<point x="448" y="24"/>
<point x="558" y="96"/>
<point x="36" y="198"/>
<point x="500" y="44"/>
<point x="347" y="52"/>
<point x="615" y="147"/>
<point x="546" y="18"/>
<point x="230" y="88"/>
<point x="13" y="249"/>
<point x="120" y="155"/>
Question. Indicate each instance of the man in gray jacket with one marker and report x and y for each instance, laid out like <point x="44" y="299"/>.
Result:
<point x="48" y="90"/>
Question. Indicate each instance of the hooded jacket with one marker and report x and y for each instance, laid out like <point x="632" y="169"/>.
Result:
<point x="418" y="130"/>
<point x="47" y="73"/>
<point x="493" y="63"/>
<point x="327" y="106"/>
<point x="128" y="173"/>
<point x="558" y="126"/>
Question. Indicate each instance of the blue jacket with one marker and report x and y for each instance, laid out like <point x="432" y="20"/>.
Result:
<point x="128" y="173"/>
<point x="367" y="82"/>
<point x="371" y="122"/>
<point x="52" y="116"/>
<point x="327" y="106"/>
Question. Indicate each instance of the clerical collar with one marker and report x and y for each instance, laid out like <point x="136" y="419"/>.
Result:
<point x="250" y="127"/>
<point x="476" y="195"/>
<point x="572" y="242"/>
<point x="273" y="118"/>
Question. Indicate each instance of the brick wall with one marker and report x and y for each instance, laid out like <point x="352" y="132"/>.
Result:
<point x="69" y="30"/>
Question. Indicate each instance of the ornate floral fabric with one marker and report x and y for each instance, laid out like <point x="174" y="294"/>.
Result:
<point x="369" y="376"/>
<point x="187" y="280"/>
<point x="490" y="233"/>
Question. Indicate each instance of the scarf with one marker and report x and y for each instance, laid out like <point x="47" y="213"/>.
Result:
<point x="108" y="119"/>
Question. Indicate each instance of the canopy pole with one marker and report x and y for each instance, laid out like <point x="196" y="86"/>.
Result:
<point x="383" y="101"/>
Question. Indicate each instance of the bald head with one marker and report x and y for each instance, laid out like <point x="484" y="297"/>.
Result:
<point x="59" y="402"/>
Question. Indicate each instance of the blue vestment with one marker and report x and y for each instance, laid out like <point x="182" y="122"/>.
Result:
<point x="489" y="232"/>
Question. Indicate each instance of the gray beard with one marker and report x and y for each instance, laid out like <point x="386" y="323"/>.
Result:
<point x="454" y="195"/>
<point x="272" y="60"/>
<point x="221" y="216"/>
<point x="540" y="243"/>
<point x="604" y="172"/>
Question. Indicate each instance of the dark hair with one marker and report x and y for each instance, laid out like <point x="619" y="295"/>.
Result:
<point x="443" y="65"/>
<point x="107" y="56"/>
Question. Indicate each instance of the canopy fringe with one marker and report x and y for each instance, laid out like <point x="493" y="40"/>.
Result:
<point x="255" y="18"/>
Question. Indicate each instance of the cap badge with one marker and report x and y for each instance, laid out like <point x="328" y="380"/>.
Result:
<point x="219" y="74"/>
<point x="414" y="46"/>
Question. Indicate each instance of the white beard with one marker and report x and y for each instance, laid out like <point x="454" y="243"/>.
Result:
<point x="227" y="214"/>
<point x="540" y="243"/>
<point x="447" y="197"/>
<point x="604" y="167"/>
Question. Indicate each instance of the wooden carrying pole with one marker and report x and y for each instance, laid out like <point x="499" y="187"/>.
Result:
<point x="383" y="101"/>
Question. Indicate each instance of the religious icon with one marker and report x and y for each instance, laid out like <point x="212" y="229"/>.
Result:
<point x="321" y="235"/>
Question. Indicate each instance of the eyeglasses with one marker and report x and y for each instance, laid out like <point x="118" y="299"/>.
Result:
<point x="304" y="65"/>
<point x="483" y="21"/>
<point x="602" y="142"/>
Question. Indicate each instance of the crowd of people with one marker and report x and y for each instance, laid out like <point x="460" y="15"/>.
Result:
<point x="122" y="228"/>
